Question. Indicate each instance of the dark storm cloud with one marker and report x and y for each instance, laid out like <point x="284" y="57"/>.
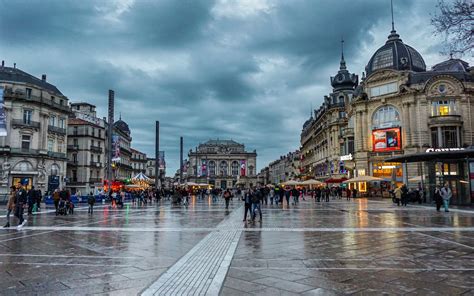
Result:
<point x="247" y="70"/>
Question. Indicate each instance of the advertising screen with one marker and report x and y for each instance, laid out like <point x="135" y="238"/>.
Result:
<point x="386" y="139"/>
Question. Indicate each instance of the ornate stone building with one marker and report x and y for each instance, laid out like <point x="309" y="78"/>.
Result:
<point x="86" y="149"/>
<point x="402" y="108"/>
<point x="34" y="145"/>
<point x="325" y="137"/>
<point x="287" y="167"/>
<point x="122" y="153"/>
<point x="138" y="161"/>
<point x="222" y="163"/>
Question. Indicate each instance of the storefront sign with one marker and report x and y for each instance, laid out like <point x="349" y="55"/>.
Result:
<point x="346" y="157"/>
<point x="443" y="149"/>
<point x="386" y="140"/>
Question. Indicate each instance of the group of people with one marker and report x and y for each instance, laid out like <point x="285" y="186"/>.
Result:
<point x="18" y="199"/>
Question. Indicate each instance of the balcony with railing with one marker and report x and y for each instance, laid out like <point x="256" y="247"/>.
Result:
<point x="45" y="101"/>
<point x="24" y="151"/>
<point x="96" y="164"/>
<point x="95" y="180"/>
<point x="57" y="154"/>
<point x="73" y="162"/>
<point x="72" y="147"/>
<point x="96" y="149"/>
<point x="336" y="105"/>
<point x="57" y="130"/>
<point x="24" y="123"/>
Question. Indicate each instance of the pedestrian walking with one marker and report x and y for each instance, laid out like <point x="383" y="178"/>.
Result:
<point x="398" y="195"/>
<point x="10" y="204"/>
<point x="227" y="196"/>
<point x="20" y="200"/>
<point x="446" y="194"/>
<point x="247" y="203"/>
<point x="438" y="198"/>
<point x="256" y="199"/>
<point x="404" y="196"/>
<point x="272" y="195"/>
<point x="56" y="199"/>
<point x="287" y="195"/>
<point x="348" y="193"/>
<point x="30" y="199"/>
<point x="91" y="202"/>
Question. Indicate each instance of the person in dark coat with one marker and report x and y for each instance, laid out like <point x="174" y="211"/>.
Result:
<point x="438" y="198"/>
<point x="246" y="198"/>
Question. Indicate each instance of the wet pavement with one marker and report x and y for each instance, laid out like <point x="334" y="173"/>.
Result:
<point x="362" y="247"/>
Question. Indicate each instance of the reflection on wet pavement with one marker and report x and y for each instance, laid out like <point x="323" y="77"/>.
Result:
<point x="357" y="247"/>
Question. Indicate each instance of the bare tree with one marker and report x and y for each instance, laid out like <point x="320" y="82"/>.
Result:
<point x="455" y="20"/>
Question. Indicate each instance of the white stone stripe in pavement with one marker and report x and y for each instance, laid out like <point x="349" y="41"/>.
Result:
<point x="237" y="227"/>
<point x="203" y="269"/>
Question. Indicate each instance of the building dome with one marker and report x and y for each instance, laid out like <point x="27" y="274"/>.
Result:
<point x="396" y="55"/>
<point x="122" y="125"/>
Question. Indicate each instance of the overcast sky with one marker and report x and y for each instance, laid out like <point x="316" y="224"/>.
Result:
<point x="244" y="70"/>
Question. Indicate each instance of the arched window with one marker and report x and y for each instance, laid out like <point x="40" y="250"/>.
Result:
<point x="385" y="117"/>
<point x="54" y="170"/>
<point x="23" y="166"/>
<point x="212" y="168"/>
<point x="235" y="168"/>
<point x="223" y="167"/>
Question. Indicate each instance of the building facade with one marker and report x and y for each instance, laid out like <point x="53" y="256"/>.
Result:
<point x="138" y="161"/>
<point x="121" y="151"/>
<point x="399" y="108"/>
<point x="287" y="167"/>
<point x="327" y="135"/>
<point x="403" y="108"/>
<point x="86" y="149"/>
<point x="222" y="163"/>
<point x="33" y="139"/>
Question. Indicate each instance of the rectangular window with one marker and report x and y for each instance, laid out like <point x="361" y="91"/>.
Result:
<point x="27" y="114"/>
<point x="25" y="142"/>
<point x="74" y="158"/>
<point x="75" y="130"/>
<point x="450" y="139"/>
<point x="52" y="120"/>
<point x="443" y="108"/>
<point x="50" y="144"/>
<point x="28" y="93"/>
<point x="76" y="143"/>
<point x="61" y="102"/>
<point x="60" y="146"/>
<point x="383" y="89"/>
<point x="62" y="123"/>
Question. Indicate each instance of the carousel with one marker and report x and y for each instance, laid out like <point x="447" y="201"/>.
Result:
<point x="140" y="182"/>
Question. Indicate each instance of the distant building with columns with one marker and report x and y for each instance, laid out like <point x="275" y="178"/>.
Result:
<point x="222" y="163"/>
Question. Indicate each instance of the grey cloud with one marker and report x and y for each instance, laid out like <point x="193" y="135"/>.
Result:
<point x="250" y="77"/>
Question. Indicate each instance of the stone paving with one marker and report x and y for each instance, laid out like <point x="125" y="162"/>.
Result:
<point x="362" y="247"/>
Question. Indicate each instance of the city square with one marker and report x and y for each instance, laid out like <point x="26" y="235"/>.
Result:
<point x="360" y="247"/>
<point x="244" y="147"/>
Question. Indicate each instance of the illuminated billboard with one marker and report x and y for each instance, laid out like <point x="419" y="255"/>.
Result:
<point x="388" y="139"/>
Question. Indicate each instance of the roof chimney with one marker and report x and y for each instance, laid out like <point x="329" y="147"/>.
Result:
<point x="43" y="77"/>
<point x="3" y="63"/>
<point x="14" y="65"/>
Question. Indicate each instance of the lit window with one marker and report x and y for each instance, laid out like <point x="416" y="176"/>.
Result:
<point x="443" y="108"/>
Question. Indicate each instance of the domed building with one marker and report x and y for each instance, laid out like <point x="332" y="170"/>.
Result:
<point x="122" y="151"/>
<point x="325" y="136"/>
<point x="401" y="108"/>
